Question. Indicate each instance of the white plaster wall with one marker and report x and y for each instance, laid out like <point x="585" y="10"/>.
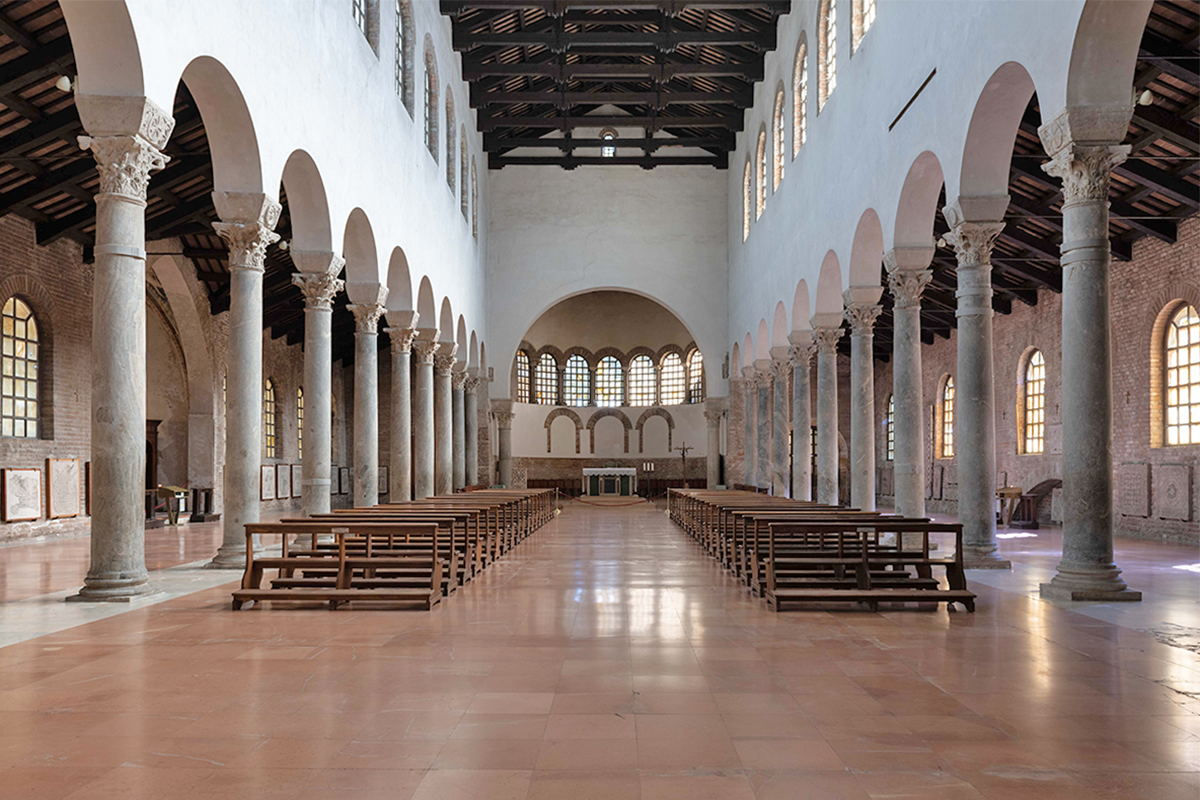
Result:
<point x="660" y="233"/>
<point x="851" y="162"/>
<point x="311" y="82"/>
<point x="529" y="433"/>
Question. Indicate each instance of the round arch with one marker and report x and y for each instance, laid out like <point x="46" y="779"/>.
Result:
<point x="232" y="141"/>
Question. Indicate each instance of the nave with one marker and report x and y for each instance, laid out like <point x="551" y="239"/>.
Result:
<point x="607" y="656"/>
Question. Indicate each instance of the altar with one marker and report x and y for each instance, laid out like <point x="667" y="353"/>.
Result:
<point x="609" y="481"/>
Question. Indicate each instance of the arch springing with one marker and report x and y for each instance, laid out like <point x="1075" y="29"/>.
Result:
<point x="672" y="380"/>
<point x="610" y="383"/>
<point x="19" y="344"/>
<point x="577" y="382"/>
<point x="1035" y="404"/>
<point x="546" y="381"/>
<point x="522" y="376"/>
<point x="1182" y="357"/>
<point x="800" y="100"/>
<point x="827" y="52"/>
<point x="778" y="137"/>
<point x="269" y="419"/>
<point x="695" y="372"/>
<point x="641" y="381"/>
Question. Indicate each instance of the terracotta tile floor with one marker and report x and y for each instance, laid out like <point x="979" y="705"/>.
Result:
<point x="607" y="658"/>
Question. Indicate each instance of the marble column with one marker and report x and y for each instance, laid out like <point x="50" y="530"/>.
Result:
<point x="443" y="420"/>
<point x="750" y="442"/>
<point x="862" y="316"/>
<point x="502" y="410"/>
<point x="907" y="278"/>
<point x="974" y="225"/>
<point x="827" y="414"/>
<point x="458" y="424"/>
<point x="471" y="425"/>
<point x="762" y="447"/>
<point x="715" y="409"/>
<point x="125" y="158"/>
<point x="1087" y="570"/>
<point x="402" y="330"/>
<point x="319" y="288"/>
<point x="780" y="368"/>
<point x="248" y="231"/>
<point x="801" y="353"/>
<point x="366" y="399"/>
<point x="422" y="419"/>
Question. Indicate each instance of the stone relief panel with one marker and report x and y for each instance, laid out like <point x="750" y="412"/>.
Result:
<point x="1133" y="486"/>
<point x="1173" y="491"/>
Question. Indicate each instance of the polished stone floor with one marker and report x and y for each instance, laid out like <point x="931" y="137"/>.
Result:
<point x="608" y="658"/>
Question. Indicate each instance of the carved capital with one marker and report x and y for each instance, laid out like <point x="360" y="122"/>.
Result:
<point x="472" y="384"/>
<point x="443" y="363"/>
<point x="124" y="163"/>
<point x="504" y="419"/>
<point x="973" y="242"/>
<point x="248" y="241"/>
<point x="425" y="349"/>
<point x="907" y="286"/>
<point x="781" y="368"/>
<point x="749" y="379"/>
<point x="827" y="340"/>
<point x="366" y="316"/>
<point x="458" y="380"/>
<point x="861" y="317"/>
<point x="1085" y="171"/>
<point x="714" y="416"/>
<point x="402" y="339"/>
<point x="319" y="289"/>
<point x="801" y="354"/>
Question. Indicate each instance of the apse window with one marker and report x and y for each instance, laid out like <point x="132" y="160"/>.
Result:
<point x="19" y="371"/>
<point x="1035" y="403"/>
<point x="522" y="376"/>
<point x="695" y="366"/>
<point x="1183" y="377"/>
<point x="608" y="150"/>
<point x="547" y="380"/>
<point x="610" y="383"/>
<point x="641" y="382"/>
<point x="672" y="380"/>
<point x="577" y="389"/>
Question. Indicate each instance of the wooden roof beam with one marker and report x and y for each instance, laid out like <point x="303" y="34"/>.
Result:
<point x="571" y="123"/>
<point x="494" y="143"/>
<point x="565" y="100"/>
<point x="497" y="161"/>
<point x="558" y="7"/>
<point x="666" y="41"/>
<point x="475" y="69"/>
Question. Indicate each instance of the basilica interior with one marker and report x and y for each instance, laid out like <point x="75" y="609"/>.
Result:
<point x="622" y="399"/>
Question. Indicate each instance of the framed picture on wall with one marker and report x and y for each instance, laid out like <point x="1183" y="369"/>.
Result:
<point x="87" y="488"/>
<point x="283" y="481"/>
<point x="344" y="479"/>
<point x="62" y="494"/>
<point x="22" y="489"/>
<point x="297" y="477"/>
<point x="266" y="484"/>
<point x="383" y="480"/>
<point x="333" y="480"/>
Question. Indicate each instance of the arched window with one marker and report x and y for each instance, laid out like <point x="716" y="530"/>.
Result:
<point x="360" y="10"/>
<point x="464" y="172"/>
<point x="300" y="422"/>
<point x="760" y="176"/>
<point x="671" y="380"/>
<point x="641" y="382"/>
<point x="827" y="52"/>
<point x="19" y="375"/>
<point x="269" y="430"/>
<point x="890" y="424"/>
<point x="608" y="150"/>
<point x="577" y="382"/>
<point x="746" y="202"/>
<point x="695" y="369"/>
<point x="403" y="54"/>
<point x="800" y="99"/>
<point x="947" y="450"/>
<point x="451" y="145"/>
<point x="862" y="17"/>
<point x="1034" y="410"/>
<point x="431" y="100"/>
<point x="1182" y="377"/>
<point x="522" y="376"/>
<point x="474" y="201"/>
<point x="777" y="128"/>
<point x="546" y="381"/>
<point x="610" y="383"/>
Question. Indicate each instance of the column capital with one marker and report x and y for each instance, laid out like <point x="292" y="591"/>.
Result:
<point x="124" y="164"/>
<point x="749" y="378"/>
<point x="424" y="348"/>
<point x="973" y="242"/>
<point x="366" y="315"/>
<point x="861" y="317"/>
<point x="319" y="288"/>
<point x="458" y="380"/>
<point x="781" y="367"/>
<point x="714" y="417"/>
<point x="248" y="225"/>
<point x="801" y="354"/>
<point x="502" y="412"/>
<point x="471" y="384"/>
<point x="402" y="339"/>
<point x="1085" y="170"/>
<point x="443" y="358"/>
<point x="907" y="286"/>
<point x="827" y="339"/>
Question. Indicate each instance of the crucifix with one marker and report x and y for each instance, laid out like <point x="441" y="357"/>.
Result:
<point x="683" y="451"/>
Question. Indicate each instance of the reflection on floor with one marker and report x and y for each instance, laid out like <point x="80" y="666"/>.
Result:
<point x="609" y="658"/>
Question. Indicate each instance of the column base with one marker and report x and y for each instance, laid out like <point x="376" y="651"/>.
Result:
<point x="1096" y="584"/>
<point x="116" y="588"/>
<point x="227" y="558"/>
<point x="983" y="558"/>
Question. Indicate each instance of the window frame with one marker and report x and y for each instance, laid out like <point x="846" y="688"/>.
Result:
<point x="11" y="364"/>
<point x="610" y="380"/>
<point x="577" y="382"/>
<point x="746" y="201"/>
<point x="300" y="422"/>
<point x="671" y="368"/>
<point x="889" y="423"/>
<point x="1033" y="404"/>
<point x="760" y="175"/>
<point x="800" y="98"/>
<point x="779" y="137"/>
<point x="643" y="381"/>
<point x="946" y="401"/>
<point x="695" y="380"/>
<point x="608" y="135"/>
<point x="545" y="386"/>
<point x="524" y="381"/>
<point x="1178" y="397"/>
<point x="270" y="420"/>
<point x="827" y="52"/>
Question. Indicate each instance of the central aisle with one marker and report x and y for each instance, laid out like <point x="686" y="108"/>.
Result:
<point x="605" y="658"/>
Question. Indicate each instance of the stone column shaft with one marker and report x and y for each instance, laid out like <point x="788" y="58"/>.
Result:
<point x="1087" y="570"/>
<point x="906" y="285"/>
<point x="974" y="389"/>
<point x="400" y="462"/>
<point x="861" y="317"/>
<point x="117" y="570"/>
<point x="762" y="432"/>
<point x="459" y="429"/>
<point x="750" y="442"/>
<point x="780" y="485"/>
<point x="827" y="415"/>
<point x="801" y="354"/>
<point x="422" y="420"/>
<point x="714" y="411"/>
<point x="366" y="400"/>
<point x="502" y="410"/>
<point x="471" y="429"/>
<point x="443" y="422"/>
<point x="318" y="289"/>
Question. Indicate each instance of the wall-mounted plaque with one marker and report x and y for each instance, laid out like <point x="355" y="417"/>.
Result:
<point x="62" y="495"/>
<point x="283" y="481"/>
<point x="297" y="477"/>
<point x="383" y="480"/>
<point x="344" y="480"/>
<point x="22" y="495"/>
<point x="266" y="483"/>
<point x="1133" y="490"/>
<point x="1173" y="491"/>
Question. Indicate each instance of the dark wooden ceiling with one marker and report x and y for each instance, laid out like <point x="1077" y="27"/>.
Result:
<point x="685" y="68"/>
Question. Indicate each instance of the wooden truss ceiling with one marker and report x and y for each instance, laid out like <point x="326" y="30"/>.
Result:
<point x="686" y="68"/>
